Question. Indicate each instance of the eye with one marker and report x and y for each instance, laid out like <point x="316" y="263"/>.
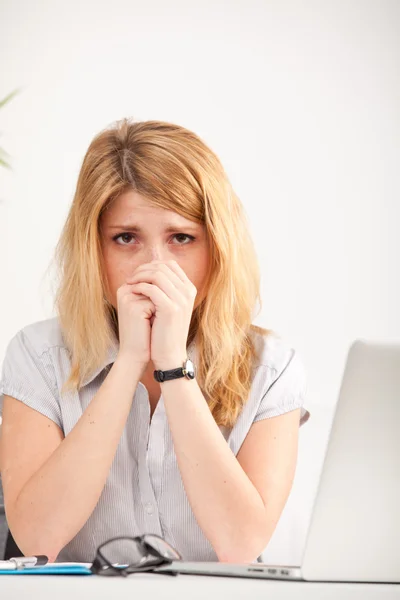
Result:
<point x="126" y="235"/>
<point x="185" y="235"/>
<point x="122" y="235"/>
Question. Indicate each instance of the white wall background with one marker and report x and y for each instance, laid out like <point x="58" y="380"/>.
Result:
<point x="300" y="100"/>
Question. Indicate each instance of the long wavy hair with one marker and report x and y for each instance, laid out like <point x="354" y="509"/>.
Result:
<point x="175" y="170"/>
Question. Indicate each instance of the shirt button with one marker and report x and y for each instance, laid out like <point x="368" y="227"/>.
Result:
<point x="149" y="509"/>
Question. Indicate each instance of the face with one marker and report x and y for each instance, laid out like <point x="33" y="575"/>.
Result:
<point x="133" y="233"/>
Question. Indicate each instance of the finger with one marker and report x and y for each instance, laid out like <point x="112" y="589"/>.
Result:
<point x="125" y="290"/>
<point x="177" y="269"/>
<point x="147" y="265"/>
<point x="156" y="295"/>
<point x="163" y="282"/>
<point x="189" y="289"/>
<point x="172" y="266"/>
<point x="150" y="274"/>
<point x="174" y="272"/>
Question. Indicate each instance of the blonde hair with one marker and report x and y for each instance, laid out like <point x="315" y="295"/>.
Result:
<point x="174" y="169"/>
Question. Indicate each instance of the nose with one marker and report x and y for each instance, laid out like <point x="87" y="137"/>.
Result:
<point x="155" y="252"/>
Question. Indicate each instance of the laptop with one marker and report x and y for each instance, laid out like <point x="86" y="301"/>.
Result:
<point x="354" y="531"/>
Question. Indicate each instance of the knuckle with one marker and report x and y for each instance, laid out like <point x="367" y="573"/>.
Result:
<point x="192" y="292"/>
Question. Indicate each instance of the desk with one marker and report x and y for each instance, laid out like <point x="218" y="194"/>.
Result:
<point x="191" y="587"/>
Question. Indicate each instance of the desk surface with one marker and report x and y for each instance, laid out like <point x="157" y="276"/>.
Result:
<point x="66" y="587"/>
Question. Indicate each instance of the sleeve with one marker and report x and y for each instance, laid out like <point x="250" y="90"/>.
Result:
<point x="30" y="378"/>
<point x="286" y="392"/>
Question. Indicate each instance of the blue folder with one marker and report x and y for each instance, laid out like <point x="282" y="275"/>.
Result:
<point x="52" y="569"/>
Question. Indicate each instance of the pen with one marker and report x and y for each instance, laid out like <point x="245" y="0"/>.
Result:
<point x="22" y="562"/>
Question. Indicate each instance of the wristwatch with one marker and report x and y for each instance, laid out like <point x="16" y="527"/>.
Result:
<point x="187" y="371"/>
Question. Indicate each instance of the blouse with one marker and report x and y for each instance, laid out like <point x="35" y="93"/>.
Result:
<point x="144" y="492"/>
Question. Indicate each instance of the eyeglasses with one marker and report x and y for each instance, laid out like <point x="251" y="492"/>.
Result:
<point x="139" y="554"/>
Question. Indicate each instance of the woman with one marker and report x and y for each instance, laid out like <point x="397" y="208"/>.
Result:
<point x="157" y="266"/>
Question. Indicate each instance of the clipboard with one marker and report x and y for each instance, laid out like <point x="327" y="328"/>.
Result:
<point x="39" y="565"/>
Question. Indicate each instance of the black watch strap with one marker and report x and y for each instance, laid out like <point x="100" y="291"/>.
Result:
<point x="167" y="375"/>
<point x="188" y="370"/>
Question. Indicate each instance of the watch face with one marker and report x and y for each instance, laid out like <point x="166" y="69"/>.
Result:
<point x="189" y="367"/>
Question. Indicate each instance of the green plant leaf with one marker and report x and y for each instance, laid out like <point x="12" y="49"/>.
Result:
<point x="5" y="164"/>
<point x="8" y="98"/>
<point x="4" y="152"/>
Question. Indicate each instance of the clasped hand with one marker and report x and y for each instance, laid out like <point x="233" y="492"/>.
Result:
<point x="173" y="296"/>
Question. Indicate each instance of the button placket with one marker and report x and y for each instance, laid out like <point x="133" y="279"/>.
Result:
<point x="148" y="499"/>
<point x="156" y="447"/>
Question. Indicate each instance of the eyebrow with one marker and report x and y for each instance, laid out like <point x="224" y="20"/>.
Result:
<point x="170" y="228"/>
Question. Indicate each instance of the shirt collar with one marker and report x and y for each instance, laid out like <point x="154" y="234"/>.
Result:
<point x="112" y="354"/>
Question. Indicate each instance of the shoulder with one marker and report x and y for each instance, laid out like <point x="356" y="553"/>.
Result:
<point x="280" y="373"/>
<point x="279" y="385"/>
<point x="273" y="352"/>
<point x="29" y="373"/>
<point x="42" y="335"/>
<point x="281" y="380"/>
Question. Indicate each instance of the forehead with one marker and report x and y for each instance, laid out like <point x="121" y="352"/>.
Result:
<point x="133" y="209"/>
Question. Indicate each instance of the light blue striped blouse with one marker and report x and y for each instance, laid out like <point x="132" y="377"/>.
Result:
<point x="144" y="492"/>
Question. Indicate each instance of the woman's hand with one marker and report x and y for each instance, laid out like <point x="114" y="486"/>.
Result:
<point x="173" y="295"/>
<point x="134" y="315"/>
